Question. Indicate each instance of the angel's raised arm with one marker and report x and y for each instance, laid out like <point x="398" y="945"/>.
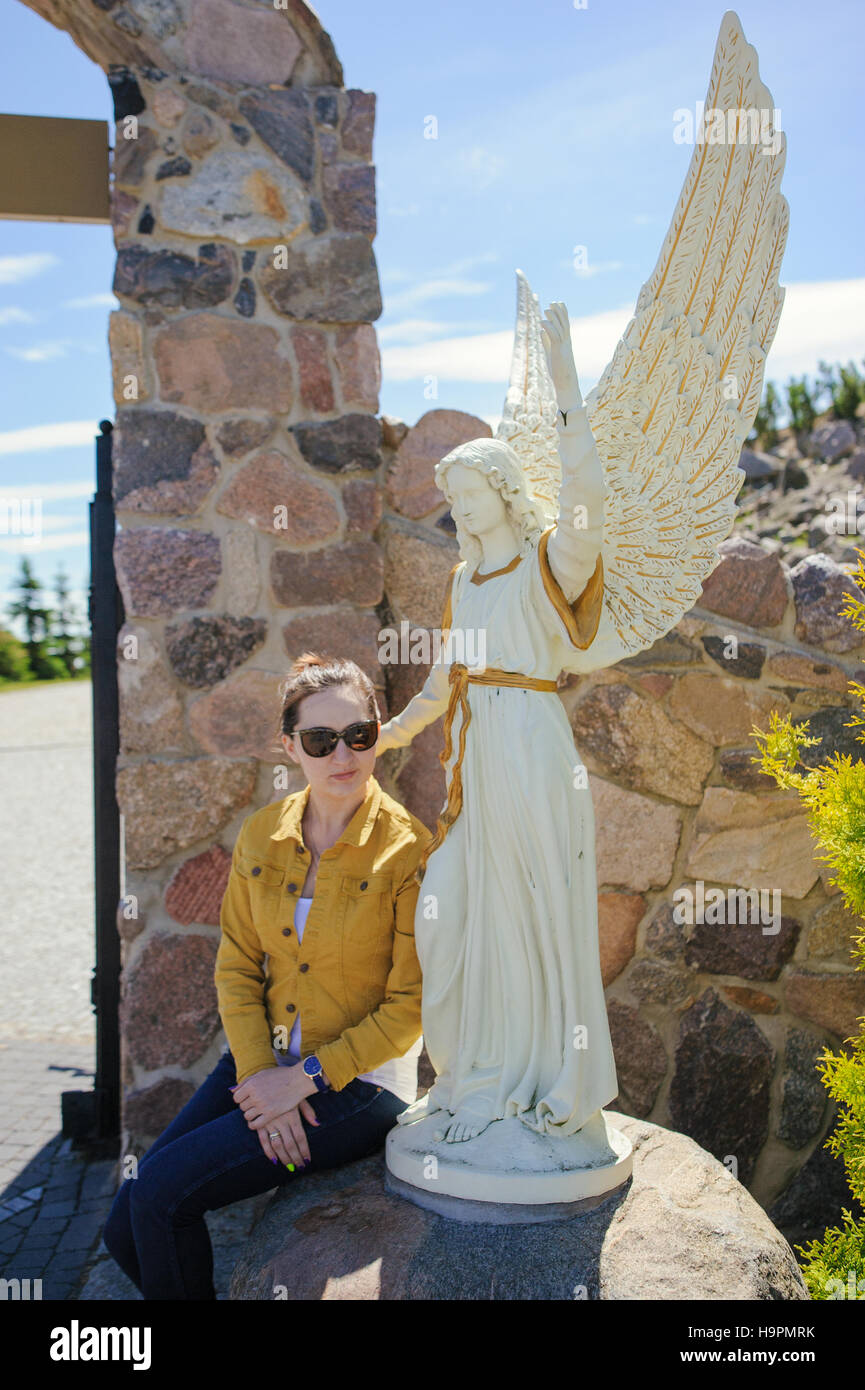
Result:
<point x="574" y="544"/>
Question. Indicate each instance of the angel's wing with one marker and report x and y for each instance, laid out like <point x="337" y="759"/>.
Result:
<point x="528" y="420"/>
<point x="673" y="407"/>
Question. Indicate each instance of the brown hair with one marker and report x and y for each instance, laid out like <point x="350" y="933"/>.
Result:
<point x="311" y="673"/>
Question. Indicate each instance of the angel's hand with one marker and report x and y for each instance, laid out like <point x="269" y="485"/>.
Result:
<point x="556" y="333"/>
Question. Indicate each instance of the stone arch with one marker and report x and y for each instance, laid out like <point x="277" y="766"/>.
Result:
<point x="281" y="43"/>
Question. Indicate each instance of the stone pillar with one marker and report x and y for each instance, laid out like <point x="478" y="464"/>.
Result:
<point x="247" y="458"/>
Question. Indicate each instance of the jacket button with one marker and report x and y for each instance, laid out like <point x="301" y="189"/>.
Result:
<point x="286" y="931"/>
<point x="364" y="884"/>
<point x="291" y="887"/>
<point x="303" y="968"/>
<point x="257" y="870"/>
<point x="290" y="1008"/>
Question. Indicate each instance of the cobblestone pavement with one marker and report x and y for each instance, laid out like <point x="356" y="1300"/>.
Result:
<point x="53" y="1199"/>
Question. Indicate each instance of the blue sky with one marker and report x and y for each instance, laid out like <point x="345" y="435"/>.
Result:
<point x="554" y="130"/>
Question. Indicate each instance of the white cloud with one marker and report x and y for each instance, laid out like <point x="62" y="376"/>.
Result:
<point x="421" y="330"/>
<point x="481" y="166"/>
<point x="13" y="315"/>
<point x="68" y="434"/>
<point x="48" y="492"/>
<point x="51" y="349"/>
<point x="40" y="352"/>
<point x="104" y="300"/>
<point x="487" y="356"/>
<point x="26" y="545"/>
<point x="821" y="319"/>
<point x="586" y="272"/>
<point x="438" y="288"/>
<point x="393" y="275"/>
<point x="14" y="269"/>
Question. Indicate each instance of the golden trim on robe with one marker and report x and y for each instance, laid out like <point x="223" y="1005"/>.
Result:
<point x="447" y="612"/>
<point x="581" y="617"/>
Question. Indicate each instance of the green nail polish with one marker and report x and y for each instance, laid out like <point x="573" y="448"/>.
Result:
<point x="290" y="1167"/>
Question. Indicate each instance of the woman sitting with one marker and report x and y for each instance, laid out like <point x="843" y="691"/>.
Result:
<point x="319" y="992"/>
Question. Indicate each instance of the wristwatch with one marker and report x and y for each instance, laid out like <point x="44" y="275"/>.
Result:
<point x="312" y="1067"/>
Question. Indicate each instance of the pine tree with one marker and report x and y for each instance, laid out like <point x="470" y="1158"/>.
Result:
<point x="37" y="618"/>
<point x="64" y="644"/>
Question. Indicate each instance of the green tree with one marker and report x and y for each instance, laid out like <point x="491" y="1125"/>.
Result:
<point x="800" y="403"/>
<point x="765" y="429"/>
<point x="65" y="645"/>
<point x="14" y="665"/>
<point x="31" y="609"/>
<point x="849" y="393"/>
<point x="834" y="795"/>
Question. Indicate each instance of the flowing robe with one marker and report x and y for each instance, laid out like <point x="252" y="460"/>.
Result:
<point x="506" y="924"/>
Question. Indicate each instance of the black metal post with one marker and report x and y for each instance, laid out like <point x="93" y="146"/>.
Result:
<point x="96" y="1115"/>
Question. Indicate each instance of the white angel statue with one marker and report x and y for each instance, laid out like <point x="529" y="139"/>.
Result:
<point x="586" y="530"/>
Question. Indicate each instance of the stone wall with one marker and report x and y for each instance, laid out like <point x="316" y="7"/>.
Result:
<point x="264" y="507"/>
<point x="716" y="1025"/>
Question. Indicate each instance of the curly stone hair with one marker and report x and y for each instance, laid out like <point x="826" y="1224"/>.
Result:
<point x="501" y="467"/>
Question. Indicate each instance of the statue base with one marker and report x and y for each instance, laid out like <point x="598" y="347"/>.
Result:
<point x="509" y="1173"/>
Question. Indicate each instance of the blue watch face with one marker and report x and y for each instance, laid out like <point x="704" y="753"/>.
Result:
<point x="312" y="1066"/>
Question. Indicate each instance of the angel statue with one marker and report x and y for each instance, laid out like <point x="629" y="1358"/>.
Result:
<point x="585" y="530"/>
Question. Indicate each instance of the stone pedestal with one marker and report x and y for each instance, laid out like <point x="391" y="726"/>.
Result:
<point x="681" y="1228"/>
<point x="509" y="1173"/>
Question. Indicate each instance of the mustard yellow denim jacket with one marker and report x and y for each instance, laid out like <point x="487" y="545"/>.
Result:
<point x="355" y="977"/>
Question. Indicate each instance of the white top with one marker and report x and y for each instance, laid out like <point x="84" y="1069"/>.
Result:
<point x="399" y="1075"/>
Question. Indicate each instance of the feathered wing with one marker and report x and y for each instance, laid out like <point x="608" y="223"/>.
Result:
<point x="674" y="405"/>
<point x="528" y="420"/>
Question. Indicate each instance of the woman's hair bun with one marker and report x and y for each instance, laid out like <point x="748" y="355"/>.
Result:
<point x="307" y="659"/>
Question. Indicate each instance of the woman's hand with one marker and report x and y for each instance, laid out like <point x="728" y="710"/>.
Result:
<point x="284" y="1139"/>
<point x="270" y="1101"/>
<point x="556" y="333"/>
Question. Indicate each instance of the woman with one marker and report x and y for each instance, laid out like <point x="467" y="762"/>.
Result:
<point x="319" y="993"/>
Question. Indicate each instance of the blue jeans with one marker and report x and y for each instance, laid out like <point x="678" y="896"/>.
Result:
<point x="208" y="1157"/>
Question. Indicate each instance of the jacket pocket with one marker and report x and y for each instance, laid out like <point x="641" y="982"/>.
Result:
<point x="267" y="900"/>
<point x="259" y="872"/>
<point x="368" y="908"/>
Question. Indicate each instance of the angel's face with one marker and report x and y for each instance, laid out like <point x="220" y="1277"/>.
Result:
<point x="476" y="506"/>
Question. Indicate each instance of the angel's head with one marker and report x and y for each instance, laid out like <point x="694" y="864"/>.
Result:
<point x="484" y="482"/>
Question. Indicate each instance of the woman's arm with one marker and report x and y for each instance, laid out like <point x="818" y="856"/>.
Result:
<point x="239" y="978"/>
<point x="395" y="1024"/>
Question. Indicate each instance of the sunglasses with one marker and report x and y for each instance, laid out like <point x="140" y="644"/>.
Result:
<point x="318" y="743"/>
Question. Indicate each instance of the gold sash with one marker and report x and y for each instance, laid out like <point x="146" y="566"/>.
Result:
<point x="458" y="678"/>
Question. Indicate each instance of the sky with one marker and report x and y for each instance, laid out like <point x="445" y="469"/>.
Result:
<point x="553" y="127"/>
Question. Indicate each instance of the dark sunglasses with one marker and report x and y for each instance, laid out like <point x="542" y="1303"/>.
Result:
<point x="319" y="742"/>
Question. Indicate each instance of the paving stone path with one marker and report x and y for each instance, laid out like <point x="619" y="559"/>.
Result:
<point x="53" y="1199"/>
